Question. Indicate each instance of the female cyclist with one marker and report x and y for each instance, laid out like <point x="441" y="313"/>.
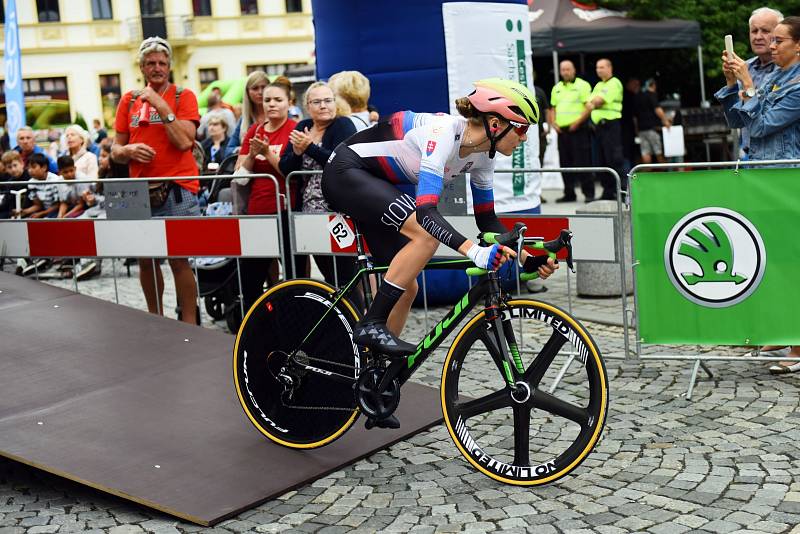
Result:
<point x="388" y="179"/>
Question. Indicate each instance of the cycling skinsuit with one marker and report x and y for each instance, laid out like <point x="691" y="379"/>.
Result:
<point x="382" y="175"/>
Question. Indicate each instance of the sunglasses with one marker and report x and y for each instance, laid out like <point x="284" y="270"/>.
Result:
<point x="519" y="128"/>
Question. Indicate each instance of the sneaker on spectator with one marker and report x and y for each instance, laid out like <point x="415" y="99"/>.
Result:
<point x="35" y="266"/>
<point x="88" y="269"/>
<point x="66" y="264"/>
<point x="22" y="263"/>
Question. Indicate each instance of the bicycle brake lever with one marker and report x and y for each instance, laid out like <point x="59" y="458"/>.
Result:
<point x="520" y="242"/>
<point x="566" y="239"/>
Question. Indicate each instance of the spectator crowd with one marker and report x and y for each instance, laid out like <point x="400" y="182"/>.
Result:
<point x="159" y="132"/>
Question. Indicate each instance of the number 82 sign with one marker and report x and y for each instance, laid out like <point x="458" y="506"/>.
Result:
<point x="342" y="236"/>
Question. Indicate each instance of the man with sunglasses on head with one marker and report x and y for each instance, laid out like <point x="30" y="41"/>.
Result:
<point x="155" y="130"/>
<point x="389" y="178"/>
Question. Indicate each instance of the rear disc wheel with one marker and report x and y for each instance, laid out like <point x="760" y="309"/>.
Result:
<point x="286" y="402"/>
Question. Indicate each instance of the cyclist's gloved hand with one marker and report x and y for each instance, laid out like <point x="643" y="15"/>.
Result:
<point x="489" y="258"/>
<point x="534" y="264"/>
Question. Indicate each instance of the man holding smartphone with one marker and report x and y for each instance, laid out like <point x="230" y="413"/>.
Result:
<point x="762" y="22"/>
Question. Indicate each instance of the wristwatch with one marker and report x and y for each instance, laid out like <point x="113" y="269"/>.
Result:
<point x="169" y="118"/>
<point x="750" y="92"/>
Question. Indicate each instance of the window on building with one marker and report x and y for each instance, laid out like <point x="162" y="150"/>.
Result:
<point x="110" y="93"/>
<point x="46" y="102"/>
<point x="101" y="10"/>
<point x="208" y="76"/>
<point x="249" y="7"/>
<point x="202" y="8"/>
<point x="48" y="10"/>
<point x="294" y="6"/>
<point x="151" y="8"/>
<point x="2" y="12"/>
<point x="273" y="70"/>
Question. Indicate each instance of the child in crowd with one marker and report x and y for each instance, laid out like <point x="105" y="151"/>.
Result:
<point x="104" y="163"/>
<point x="72" y="196"/>
<point x="94" y="199"/>
<point x="43" y="190"/>
<point x="14" y="172"/>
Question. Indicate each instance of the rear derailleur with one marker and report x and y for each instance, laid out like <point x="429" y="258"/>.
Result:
<point x="288" y="370"/>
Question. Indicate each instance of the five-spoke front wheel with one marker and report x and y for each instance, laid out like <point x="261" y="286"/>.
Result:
<point x="535" y="421"/>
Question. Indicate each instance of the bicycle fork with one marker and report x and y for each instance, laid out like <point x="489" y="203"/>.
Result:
<point x="512" y="367"/>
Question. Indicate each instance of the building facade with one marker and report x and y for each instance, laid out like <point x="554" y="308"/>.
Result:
<point x="79" y="56"/>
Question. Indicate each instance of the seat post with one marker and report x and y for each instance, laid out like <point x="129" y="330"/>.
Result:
<point x="362" y="262"/>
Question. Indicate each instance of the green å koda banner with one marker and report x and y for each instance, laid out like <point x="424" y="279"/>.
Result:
<point x="718" y="256"/>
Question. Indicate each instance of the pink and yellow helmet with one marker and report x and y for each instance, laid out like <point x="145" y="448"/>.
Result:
<point x="508" y="99"/>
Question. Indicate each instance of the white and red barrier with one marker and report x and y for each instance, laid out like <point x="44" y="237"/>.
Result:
<point x="252" y="236"/>
<point x="593" y="240"/>
<point x="155" y="238"/>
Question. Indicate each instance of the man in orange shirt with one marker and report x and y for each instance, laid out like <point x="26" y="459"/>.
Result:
<point x="155" y="132"/>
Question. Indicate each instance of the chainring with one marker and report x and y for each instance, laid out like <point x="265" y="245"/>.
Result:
<point x="375" y="404"/>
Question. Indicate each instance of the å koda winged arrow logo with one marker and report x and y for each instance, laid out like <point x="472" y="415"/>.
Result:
<point x="713" y="252"/>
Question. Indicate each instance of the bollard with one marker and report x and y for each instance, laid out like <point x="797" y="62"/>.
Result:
<point x="602" y="279"/>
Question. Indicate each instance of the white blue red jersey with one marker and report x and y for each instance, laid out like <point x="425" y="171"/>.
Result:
<point x="422" y="149"/>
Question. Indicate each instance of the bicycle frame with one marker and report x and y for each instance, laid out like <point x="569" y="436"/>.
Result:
<point x="488" y="289"/>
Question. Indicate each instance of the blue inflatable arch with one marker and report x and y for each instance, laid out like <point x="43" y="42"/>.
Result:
<point x="400" y="47"/>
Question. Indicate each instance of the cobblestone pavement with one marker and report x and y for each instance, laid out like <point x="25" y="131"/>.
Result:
<point x="727" y="461"/>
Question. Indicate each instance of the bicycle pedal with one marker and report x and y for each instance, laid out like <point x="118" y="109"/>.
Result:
<point x="387" y="422"/>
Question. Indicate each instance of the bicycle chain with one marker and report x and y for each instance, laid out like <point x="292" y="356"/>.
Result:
<point x="328" y="408"/>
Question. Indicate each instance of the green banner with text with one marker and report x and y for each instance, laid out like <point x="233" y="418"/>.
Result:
<point x="718" y="256"/>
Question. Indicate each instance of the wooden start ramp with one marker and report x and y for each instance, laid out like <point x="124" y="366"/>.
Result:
<point x="144" y="408"/>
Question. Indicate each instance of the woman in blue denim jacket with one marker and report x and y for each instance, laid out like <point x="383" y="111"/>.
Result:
<point x="772" y="113"/>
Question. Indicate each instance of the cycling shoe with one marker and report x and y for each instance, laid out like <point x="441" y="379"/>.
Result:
<point x="387" y="422"/>
<point x="378" y="338"/>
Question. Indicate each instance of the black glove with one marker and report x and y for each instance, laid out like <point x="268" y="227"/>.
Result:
<point x="532" y="263"/>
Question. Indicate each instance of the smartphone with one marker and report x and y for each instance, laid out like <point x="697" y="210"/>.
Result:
<point x="729" y="46"/>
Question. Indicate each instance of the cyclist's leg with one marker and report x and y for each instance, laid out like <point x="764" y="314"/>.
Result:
<point x="387" y="315"/>
<point x="406" y="265"/>
<point x="380" y="207"/>
<point x="384" y="245"/>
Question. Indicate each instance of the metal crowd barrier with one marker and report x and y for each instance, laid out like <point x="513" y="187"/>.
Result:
<point x="699" y="359"/>
<point x="318" y="242"/>
<point x="463" y="223"/>
<point x="114" y="238"/>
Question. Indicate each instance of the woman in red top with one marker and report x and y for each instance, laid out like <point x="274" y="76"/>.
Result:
<point x="262" y="147"/>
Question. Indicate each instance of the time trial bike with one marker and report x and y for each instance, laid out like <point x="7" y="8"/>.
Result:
<point x="512" y="403"/>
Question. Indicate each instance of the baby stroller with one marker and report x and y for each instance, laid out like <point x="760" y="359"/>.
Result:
<point x="218" y="283"/>
<point x="217" y="278"/>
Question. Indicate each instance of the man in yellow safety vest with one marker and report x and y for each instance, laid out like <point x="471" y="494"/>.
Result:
<point x="605" y="107"/>
<point x="568" y="100"/>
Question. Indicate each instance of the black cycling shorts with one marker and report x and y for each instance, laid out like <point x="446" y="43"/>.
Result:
<point x="378" y="207"/>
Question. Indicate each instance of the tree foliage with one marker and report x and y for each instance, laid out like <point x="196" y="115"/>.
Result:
<point x="716" y="17"/>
